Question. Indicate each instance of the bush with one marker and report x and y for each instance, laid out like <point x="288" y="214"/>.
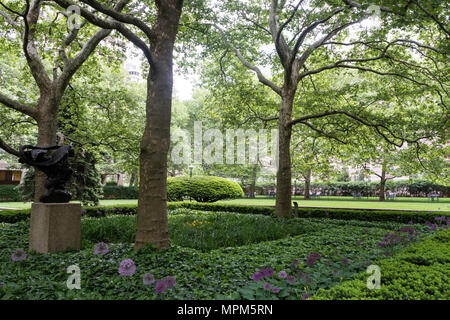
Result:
<point x="418" y="272"/>
<point x="120" y="192"/>
<point x="11" y="216"/>
<point x="404" y="188"/>
<point x="9" y="193"/>
<point x="202" y="189"/>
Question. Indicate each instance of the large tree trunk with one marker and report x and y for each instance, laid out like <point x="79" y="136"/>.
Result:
<point x="47" y="128"/>
<point x="283" y="206"/>
<point x="308" y="185"/>
<point x="382" y="183"/>
<point x="253" y="181"/>
<point x="152" y="222"/>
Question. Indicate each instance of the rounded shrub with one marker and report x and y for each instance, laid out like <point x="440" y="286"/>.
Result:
<point x="202" y="188"/>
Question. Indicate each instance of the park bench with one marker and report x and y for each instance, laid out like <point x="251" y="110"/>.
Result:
<point x="390" y="195"/>
<point x="434" y="196"/>
<point x="316" y="195"/>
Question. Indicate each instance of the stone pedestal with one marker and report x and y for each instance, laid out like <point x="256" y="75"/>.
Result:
<point x="55" y="227"/>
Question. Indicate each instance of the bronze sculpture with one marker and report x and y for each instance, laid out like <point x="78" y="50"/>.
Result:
<point x="53" y="162"/>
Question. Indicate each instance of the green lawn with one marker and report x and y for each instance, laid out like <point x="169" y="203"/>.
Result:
<point x="349" y="202"/>
<point x="425" y="204"/>
<point x="26" y="205"/>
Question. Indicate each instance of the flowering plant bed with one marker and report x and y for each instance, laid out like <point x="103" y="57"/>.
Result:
<point x="228" y="256"/>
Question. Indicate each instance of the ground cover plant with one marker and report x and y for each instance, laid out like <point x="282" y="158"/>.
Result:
<point x="421" y="271"/>
<point x="212" y="256"/>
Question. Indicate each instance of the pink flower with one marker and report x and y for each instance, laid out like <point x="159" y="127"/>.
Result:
<point x="101" y="248"/>
<point x="170" y="281"/>
<point x="127" y="268"/>
<point x="257" y="276"/>
<point x="161" y="286"/>
<point x="148" y="279"/>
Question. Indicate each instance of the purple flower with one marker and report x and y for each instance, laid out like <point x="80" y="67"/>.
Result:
<point x="127" y="268"/>
<point x="148" y="279"/>
<point x="267" y="272"/>
<point x="18" y="255"/>
<point x="312" y="259"/>
<point x="101" y="248"/>
<point x="433" y="227"/>
<point x="267" y="286"/>
<point x="257" y="276"/>
<point x="382" y="244"/>
<point x="290" y="279"/>
<point x="305" y="296"/>
<point x="83" y="212"/>
<point x="170" y="281"/>
<point x="295" y="263"/>
<point x="275" y="290"/>
<point x="282" y="274"/>
<point x="161" y="286"/>
<point x="410" y="222"/>
<point x="1" y="284"/>
<point x="344" y="261"/>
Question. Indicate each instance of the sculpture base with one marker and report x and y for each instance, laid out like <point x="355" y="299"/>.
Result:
<point x="55" y="227"/>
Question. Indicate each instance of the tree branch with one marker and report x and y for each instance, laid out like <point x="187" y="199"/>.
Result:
<point x="111" y="24"/>
<point x="9" y="19"/>
<point x="247" y="64"/>
<point x="124" y="18"/>
<point x="23" y="108"/>
<point x="8" y="148"/>
<point x="30" y="16"/>
<point x="277" y="37"/>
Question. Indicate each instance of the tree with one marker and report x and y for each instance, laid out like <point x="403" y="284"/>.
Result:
<point x="313" y="37"/>
<point x="312" y="155"/>
<point x="51" y="82"/>
<point x="156" y="34"/>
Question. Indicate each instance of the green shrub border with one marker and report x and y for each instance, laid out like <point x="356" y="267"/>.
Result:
<point x="12" y="216"/>
<point x="416" y="272"/>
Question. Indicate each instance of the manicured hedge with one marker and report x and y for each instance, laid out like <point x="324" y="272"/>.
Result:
<point x="13" y="216"/>
<point x="9" y="193"/>
<point x="202" y="188"/>
<point x="342" y="214"/>
<point x="418" y="272"/>
<point x="404" y="188"/>
<point x="199" y="188"/>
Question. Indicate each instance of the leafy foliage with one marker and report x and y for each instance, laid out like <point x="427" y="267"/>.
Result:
<point x="202" y="188"/>
<point x="211" y="274"/>
<point x="419" y="272"/>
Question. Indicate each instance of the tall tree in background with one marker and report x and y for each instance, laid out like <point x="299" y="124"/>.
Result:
<point x="313" y="37"/>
